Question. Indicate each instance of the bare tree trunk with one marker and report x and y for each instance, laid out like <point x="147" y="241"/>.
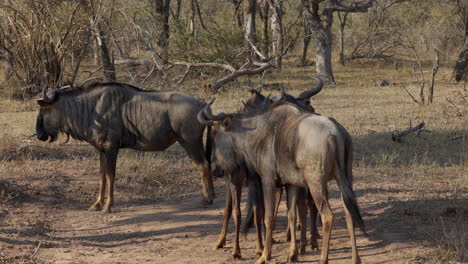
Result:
<point x="342" y="17"/>
<point x="250" y="28"/>
<point x="435" y="68"/>
<point x="178" y="8"/>
<point x="192" y="17"/>
<point x="266" y="37"/>
<point x="306" y="41"/>
<point x="324" y="52"/>
<point x="277" y="31"/>
<point x="162" y="8"/>
<point x="321" y="25"/>
<point x="101" y="40"/>
<point x="237" y="14"/>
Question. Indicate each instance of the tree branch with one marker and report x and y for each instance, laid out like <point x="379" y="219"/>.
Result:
<point x="234" y="75"/>
<point x="357" y="7"/>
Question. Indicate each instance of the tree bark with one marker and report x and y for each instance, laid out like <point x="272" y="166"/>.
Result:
<point x="321" y="26"/>
<point x="306" y="42"/>
<point x="192" y="17"/>
<point x="324" y="54"/>
<point x="107" y="62"/>
<point x="250" y="9"/>
<point x="162" y="8"/>
<point x="277" y="31"/>
<point x="266" y="37"/>
<point x="435" y="68"/>
<point x="342" y="19"/>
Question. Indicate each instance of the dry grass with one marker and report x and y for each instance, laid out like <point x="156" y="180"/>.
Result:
<point x="407" y="186"/>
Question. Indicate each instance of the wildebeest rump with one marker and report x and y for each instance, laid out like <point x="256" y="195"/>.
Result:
<point x="288" y="146"/>
<point x="111" y="116"/>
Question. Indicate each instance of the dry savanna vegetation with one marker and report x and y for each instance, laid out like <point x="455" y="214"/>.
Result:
<point x="413" y="192"/>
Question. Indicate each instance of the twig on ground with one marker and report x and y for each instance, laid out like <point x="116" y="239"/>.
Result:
<point x="37" y="249"/>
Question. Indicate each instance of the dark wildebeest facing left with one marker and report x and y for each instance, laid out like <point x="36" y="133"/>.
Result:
<point x="111" y="116"/>
<point x="287" y="146"/>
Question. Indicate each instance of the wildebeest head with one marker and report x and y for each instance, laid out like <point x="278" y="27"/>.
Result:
<point x="48" y="123"/>
<point x="224" y="158"/>
<point x="258" y="102"/>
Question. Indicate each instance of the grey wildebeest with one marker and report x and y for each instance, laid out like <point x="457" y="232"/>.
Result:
<point x="111" y="116"/>
<point x="288" y="146"/>
<point x="235" y="176"/>
<point x="259" y="103"/>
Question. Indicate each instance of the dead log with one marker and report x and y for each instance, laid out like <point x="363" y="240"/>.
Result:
<point x="397" y="135"/>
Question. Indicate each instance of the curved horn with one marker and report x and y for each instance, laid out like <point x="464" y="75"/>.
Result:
<point x="309" y="93"/>
<point x="202" y="119"/>
<point x="283" y="92"/>
<point x="209" y="114"/>
<point x="46" y="97"/>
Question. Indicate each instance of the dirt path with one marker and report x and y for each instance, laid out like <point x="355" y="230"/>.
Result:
<point x="162" y="232"/>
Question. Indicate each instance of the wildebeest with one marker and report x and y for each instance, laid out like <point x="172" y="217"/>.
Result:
<point x="258" y="103"/>
<point x="111" y="116"/>
<point x="288" y="146"/>
<point x="234" y="178"/>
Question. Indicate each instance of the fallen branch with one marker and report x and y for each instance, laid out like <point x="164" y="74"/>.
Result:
<point x="397" y="135"/>
<point x="205" y="64"/>
<point x="231" y="77"/>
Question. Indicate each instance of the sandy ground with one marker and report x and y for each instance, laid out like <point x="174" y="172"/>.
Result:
<point x="50" y="227"/>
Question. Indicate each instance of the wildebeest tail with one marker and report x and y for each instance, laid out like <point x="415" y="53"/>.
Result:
<point x="349" y="198"/>
<point x="254" y="198"/>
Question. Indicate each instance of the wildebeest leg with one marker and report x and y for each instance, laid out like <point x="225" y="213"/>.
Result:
<point x="197" y="154"/>
<point x="292" y="194"/>
<point x="227" y="215"/>
<point x="111" y="160"/>
<point x="349" y="222"/>
<point x="236" y="190"/>
<point x="269" y="198"/>
<point x="278" y="195"/>
<point x="302" y="212"/>
<point x="319" y="193"/>
<point x="314" y="235"/>
<point x="97" y="206"/>
<point x="258" y="216"/>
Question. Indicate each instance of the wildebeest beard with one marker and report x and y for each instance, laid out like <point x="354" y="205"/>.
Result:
<point x="41" y="133"/>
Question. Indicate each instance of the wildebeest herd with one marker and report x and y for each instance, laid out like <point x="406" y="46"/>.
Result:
<point x="269" y="144"/>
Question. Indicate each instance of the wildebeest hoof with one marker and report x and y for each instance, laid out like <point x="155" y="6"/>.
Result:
<point x="95" y="208"/>
<point x="219" y="245"/>
<point x="292" y="258"/>
<point x="261" y="260"/>
<point x="302" y="249"/>
<point x="106" y="210"/>
<point x="259" y="251"/>
<point x="236" y="255"/>
<point x="314" y="246"/>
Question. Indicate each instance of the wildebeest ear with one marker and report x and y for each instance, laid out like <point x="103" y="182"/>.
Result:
<point x="226" y="123"/>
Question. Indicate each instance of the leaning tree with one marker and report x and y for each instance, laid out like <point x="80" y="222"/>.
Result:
<point x="319" y="17"/>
